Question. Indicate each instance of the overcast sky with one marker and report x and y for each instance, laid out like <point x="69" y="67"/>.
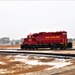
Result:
<point x="19" y="18"/>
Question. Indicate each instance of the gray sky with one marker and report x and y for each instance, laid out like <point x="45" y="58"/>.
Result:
<point x="19" y="18"/>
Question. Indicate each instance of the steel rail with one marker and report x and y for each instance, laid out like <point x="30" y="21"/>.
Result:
<point x="55" y="55"/>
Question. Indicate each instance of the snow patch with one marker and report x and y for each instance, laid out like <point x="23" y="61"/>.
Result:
<point x="56" y="63"/>
<point x="33" y="62"/>
<point x="73" y="46"/>
<point x="43" y="57"/>
<point x="20" y="60"/>
<point x="3" y="71"/>
<point x="2" y="63"/>
<point x="21" y="56"/>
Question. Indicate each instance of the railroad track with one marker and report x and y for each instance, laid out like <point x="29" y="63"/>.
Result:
<point x="40" y="49"/>
<point x="54" y="55"/>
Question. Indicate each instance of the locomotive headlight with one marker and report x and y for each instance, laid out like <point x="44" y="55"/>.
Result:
<point x="30" y="40"/>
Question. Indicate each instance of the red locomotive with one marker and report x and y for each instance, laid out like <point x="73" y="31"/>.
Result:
<point x="52" y="40"/>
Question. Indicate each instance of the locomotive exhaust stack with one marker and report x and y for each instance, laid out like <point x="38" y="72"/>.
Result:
<point x="52" y="40"/>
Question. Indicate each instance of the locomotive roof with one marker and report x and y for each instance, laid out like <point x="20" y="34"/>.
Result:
<point x="50" y="32"/>
<point x="40" y="33"/>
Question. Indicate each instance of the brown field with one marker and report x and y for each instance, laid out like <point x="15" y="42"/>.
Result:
<point x="28" y="65"/>
<point x="10" y="65"/>
<point x="17" y="65"/>
<point x="9" y="46"/>
<point x="34" y="65"/>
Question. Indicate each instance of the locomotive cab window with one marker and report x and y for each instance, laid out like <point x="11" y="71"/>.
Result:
<point x="29" y="36"/>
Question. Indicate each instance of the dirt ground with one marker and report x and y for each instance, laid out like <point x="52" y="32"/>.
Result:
<point x="15" y="65"/>
<point x="34" y="65"/>
<point x="72" y="72"/>
<point x="9" y="46"/>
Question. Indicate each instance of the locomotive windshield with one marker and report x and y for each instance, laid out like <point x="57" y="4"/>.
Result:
<point x="30" y="35"/>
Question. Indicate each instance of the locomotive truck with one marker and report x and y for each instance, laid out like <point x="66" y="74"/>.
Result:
<point x="52" y="40"/>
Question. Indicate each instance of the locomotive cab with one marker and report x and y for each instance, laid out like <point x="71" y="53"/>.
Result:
<point x="29" y="42"/>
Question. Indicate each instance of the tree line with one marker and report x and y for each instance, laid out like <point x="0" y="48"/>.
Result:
<point x="7" y="41"/>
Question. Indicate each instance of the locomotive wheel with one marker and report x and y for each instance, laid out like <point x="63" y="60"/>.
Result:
<point x="36" y="48"/>
<point x="33" y="48"/>
<point x="52" y="48"/>
<point x="64" y="48"/>
<point x="61" y="48"/>
<point x="22" y="48"/>
<point x="55" y="48"/>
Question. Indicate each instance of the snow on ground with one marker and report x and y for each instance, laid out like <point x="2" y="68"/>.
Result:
<point x="57" y="63"/>
<point x="3" y="71"/>
<point x="29" y="63"/>
<point x="74" y="47"/>
<point x="2" y="63"/>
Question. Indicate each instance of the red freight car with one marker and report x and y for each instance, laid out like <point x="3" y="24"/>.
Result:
<point x="52" y="40"/>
